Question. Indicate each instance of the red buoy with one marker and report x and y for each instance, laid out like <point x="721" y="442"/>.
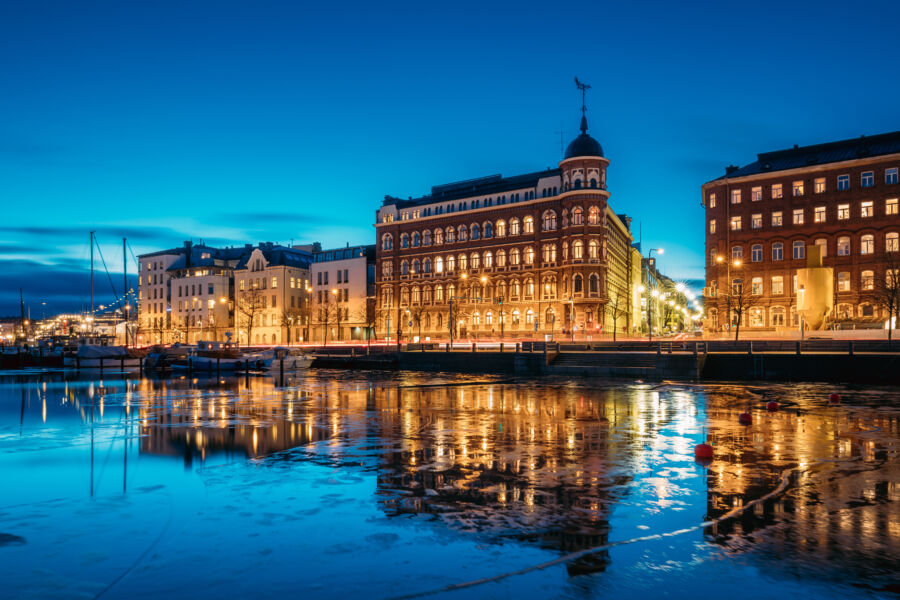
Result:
<point x="703" y="452"/>
<point x="834" y="398"/>
<point x="772" y="406"/>
<point x="744" y="418"/>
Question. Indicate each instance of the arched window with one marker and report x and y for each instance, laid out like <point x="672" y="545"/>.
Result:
<point x="529" y="255"/>
<point x="416" y="266"/>
<point x="756" y="253"/>
<point x="776" y="316"/>
<point x="404" y="296"/>
<point x="415" y="239"/>
<point x="475" y="261"/>
<point x="891" y="242"/>
<point x="528" y="290"/>
<point x="451" y="264"/>
<point x="577" y="216"/>
<point x="757" y="317"/>
<point x="843" y="246"/>
<point x="867" y="244"/>
<point x="529" y="317"/>
<point x="451" y="291"/>
<point x="549" y="220"/>
<point x="501" y="258"/>
<point x="577" y="284"/>
<point x="426" y="294"/>
<point x="475" y="231"/>
<point x="515" y="257"/>
<point x="594" y="284"/>
<point x="529" y="224"/>
<point x="416" y="295"/>
<point x="516" y="316"/>
<point x="777" y="251"/>
<point x="450" y="235"/>
<point x="463" y="262"/>
<point x="387" y="269"/>
<point x="438" y="236"/>
<point x="440" y="320"/>
<point x="593" y="182"/>
<point x="387" y="242"/>
<point x="426" y="237"/>
<point x="476" y="318"/>
<point x="577" y="184"/>
<point x="386" y="297"/>
<point x="593" y="216"/>
<point x="426" y="265"/>
<point x="439" y="265"/>
<point x="404" y="240"/>
<point x="488" y="230"/>
<point x="489" y="318"/>
<point x="462" y="233"/>
<point x="404" y="267"/>
<point x="488" y="260"/>
<point x="577" y="250"/>
<point x="515" y="289"/>
<point x="515" y="227"/>
<point x="501" y="289"/>
<point x="501" y="228"/>
<point x="438" y="294"/>
<point x="548" y="287"/>
<point x="549" y="253"/>
<point x="593" y="249"/>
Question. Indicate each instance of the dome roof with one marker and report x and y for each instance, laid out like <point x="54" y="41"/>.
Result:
<point x="583" y="145"/>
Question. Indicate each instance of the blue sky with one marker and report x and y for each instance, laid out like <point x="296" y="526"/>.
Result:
<point x="240" y="122"/>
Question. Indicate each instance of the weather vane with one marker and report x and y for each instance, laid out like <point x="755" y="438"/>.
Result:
<point x="584" y="88"/>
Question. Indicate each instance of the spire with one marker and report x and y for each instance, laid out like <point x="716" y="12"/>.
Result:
<point x="584" y="88"/>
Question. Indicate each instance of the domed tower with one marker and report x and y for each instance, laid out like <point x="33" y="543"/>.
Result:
<point x="584" y="165"/>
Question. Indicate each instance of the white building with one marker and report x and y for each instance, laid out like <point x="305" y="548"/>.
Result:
<point x="343" y="287"/>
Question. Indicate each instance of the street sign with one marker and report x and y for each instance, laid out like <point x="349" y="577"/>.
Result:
<point x="410" y="323"/>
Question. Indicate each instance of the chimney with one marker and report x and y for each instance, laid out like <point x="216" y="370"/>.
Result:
<point x="187" y="254"/>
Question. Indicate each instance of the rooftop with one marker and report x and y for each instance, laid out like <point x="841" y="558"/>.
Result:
<point x="819" y="154"/>
<point x="481" y="186"/>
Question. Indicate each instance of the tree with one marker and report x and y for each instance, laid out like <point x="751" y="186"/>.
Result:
<point x="416" y="314"/>
<point x="618" y="309"/>
<point x="367" y="314"/>
<point x="738" y="302"/>
<point x="249" y="305"/>
<point x="326" y="313"/>
<point x="887" y="290"/>
<point x="290" y="316"/>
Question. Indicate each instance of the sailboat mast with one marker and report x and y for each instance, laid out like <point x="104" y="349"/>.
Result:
<point x="125" y="304"/>
<point x="92" y="282"/>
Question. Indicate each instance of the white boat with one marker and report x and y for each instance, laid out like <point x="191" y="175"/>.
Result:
<point x="90" y="356"/>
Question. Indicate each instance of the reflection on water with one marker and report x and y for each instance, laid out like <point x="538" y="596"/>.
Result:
<point x="448" y="478"/>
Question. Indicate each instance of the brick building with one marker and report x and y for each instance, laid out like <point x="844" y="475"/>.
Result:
<point x="522" y="256"/>
<point x="760" y="218"/>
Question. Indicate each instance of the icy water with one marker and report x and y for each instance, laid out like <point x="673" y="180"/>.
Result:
<point x="367" y="485"/>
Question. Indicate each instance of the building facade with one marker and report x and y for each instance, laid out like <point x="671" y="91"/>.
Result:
<point x="343" y="288"/>
<point x="520" y="256"/>
<point x="760" y="219"/>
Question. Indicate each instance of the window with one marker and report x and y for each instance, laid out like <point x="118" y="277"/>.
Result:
<point x="756" y="252"/>
<point x="797" y="188"/>
<point x="415" y="240"/>
<point x="462" y="234"/>
<point x="593" y="249"/>
<point x="426" y="267"/>
<point x="756" y="221"/>
<point x="819" y="185"/>
<point x="843" y="246"/>
<point x="426" y="237"/>
<point x="501" y="228"/>
<point x="843" y="281"/>
<point x="843" y="182"/>
<point x="439" y="264"/>
<point x="737" y="286"/>
<point x="438" y="237"/>
<point x="549" y="220"/>
<point x="475" y="231"/>
<point x="577" y="249"/>
<point x="712" y="256"/>
<point x="529" y="255"/>
<point x="514" y="227"/>
<point x="577" y="284"/>
<point x="798" y="216"/>
<point x="387" y="242"/>
<point x="891" y="242"/>
<point x="890" y="176"/>
<point x="594" y="215"/>
<point x="777" y="251"/>
<point x="737" y="252"/>
<point x="514" y="256"/>
<point x="735" y="223"/>
<point x="475" y="260"/>
<point x="777" y="285"/>
<point x="756" y="286"/>
<point x="822" y="243"/>
<point x="756" y="194"/>
<point x="712" y="199"/>
<point x="501" y="258"/>
<point x="529" y="224"/>
<point x="577" y="216"/>
<point x="488" y="230"/>
<point x="777" y="316"/>
<point x="451" y="263"/>
<point x="866" y="310"/>
<point x="865" y="209"/>
<point x="799" y="250"/>
<point x="450" y="235"/>
<point x="488" y="260"/>
<point x="890" y="206"/>
<point x="594" y="284"/>
<point x="712" y="225"/>
<point x="404" y="241"/>
<point x="867" y="244"/>
<point x="867" y="280"/>
<point x="843" y="212"/>
<point x="735" y="196"/>
<point x="819" y="214"/>
<point x="867" y="179"/>
<point x="463" y="262"/>
<point x="777" y="191"/>
<point x="776" y="218"/>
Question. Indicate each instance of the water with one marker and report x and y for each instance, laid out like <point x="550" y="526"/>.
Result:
<point x="367" y="485"/>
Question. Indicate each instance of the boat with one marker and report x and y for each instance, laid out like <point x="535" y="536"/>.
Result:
<point x="92" y="354"/>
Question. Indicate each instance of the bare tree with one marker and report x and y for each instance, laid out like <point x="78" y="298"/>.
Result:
<point x="738" y="302"/>
<point x="887" y="290"/>
<point x="290" y="317"/>
<point x="416" y="314"/>
<point x="325" y="314"/>
<point x="249" y="305"/>
<point x="618" y="309"/>
<point x="367" y="314"/>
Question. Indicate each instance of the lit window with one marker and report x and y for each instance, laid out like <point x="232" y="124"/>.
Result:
<point x="891" y="242"/>
<point x="756" y="286"/>
<point x="529" y="224"/>
<point x="737" y="252"/>
<point x="867" y="179"/>
<point x="776" y="218"/>
<point x="777" y="190"/>
<point x="867" y="244"/>
<point x="822" y="243"/>
<point x="819" y="185"/>
<point x="712" y="200"/>
<point x="777" y="251"/>
<point x="712" y="225"/>
<point x="737" y="286"/>
<point x="890" y="206"/>
<point x="843" y="246"/>
<point x="819" y="214"/>
<point x="867" y="280"/>
<point x="843" y="182"/>
<point x="798" y="216"/>
<point x="735" y="223"/>
<point x="756" y="221"/>
<point x="843" y="212"/>
<point x="865" y="209"/>
<point x="756" y="194"/>
<point x="777" y="284"/>
<point x="799" y="250"/>
<point x="756" y="252"/>
<point x="890" y="176"/>
<point x="843" y="280"/>
<point x="797" y="188"/>
<point x="735" y="196"/>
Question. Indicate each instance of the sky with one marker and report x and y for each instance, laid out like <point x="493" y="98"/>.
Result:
<point x="241" y="122"/>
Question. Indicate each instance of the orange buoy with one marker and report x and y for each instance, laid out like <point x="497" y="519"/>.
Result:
<point x="772" y="406"/>
<point x="744" y="418"/>
<point x="834" y="398"/>
<point x="703" y="452"/>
